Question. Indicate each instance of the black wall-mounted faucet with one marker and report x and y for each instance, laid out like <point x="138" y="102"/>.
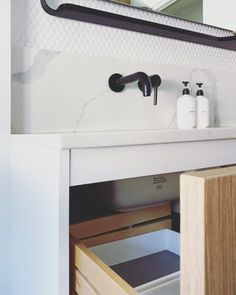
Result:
<point x="117" y="83"/>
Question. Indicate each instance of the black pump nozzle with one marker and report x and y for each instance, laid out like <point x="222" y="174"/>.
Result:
<point x="185" y="83"/>
<point x="200" y="91"/>
<point x="186" y="90"/>
<point x="199" y="84"/>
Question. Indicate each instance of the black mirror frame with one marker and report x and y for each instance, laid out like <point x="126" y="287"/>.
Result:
<point x="90" y="15"/>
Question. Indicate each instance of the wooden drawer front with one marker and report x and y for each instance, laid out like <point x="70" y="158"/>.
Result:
<point x="93" y="267"/>
<point x="99" y="274"/>
<point x="90" y="275"/>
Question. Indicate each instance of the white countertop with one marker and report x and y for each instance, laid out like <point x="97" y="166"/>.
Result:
<point x="123" y="138"/>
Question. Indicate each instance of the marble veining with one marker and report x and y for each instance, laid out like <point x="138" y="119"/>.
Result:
<point x="172" y="123"/>
<point x="68" y="92"/>
<point x="84" y="108"/>
<point x="37" y="70"/>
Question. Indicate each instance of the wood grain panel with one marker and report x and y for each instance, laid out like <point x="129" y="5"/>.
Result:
<point x="99" y="274"/>
<point x="208" y="224"/>
<point x="127" y="233"/>
<point x="220" y="234"/>
<point x="192" y="235"/>
<point x="121" y="220"/>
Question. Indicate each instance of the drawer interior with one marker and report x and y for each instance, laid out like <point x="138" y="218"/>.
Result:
<point x="137" y="252"/>
<point x="96" y="264"/>
<point x="142" y="259"/>
<point x="169" y="285"/>
<point x="133" y="248"/>
<point x="132" y="252"/>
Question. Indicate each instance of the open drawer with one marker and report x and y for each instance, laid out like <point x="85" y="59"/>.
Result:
<point x="208" y="246"/>
<point x="139" y="265"/>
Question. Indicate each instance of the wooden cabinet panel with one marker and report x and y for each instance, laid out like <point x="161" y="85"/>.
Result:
<point x="208" y="227"/>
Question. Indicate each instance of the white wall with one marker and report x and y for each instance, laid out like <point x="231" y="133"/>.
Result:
<point x="68" y="92"/>
<point x="4" y="131"/>
<point x="61" y="68"/>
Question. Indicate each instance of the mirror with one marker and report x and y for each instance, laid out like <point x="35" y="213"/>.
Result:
<point x="202" y="11"/>
<point x="225" y="39"/>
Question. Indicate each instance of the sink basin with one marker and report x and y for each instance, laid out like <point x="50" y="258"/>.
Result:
<point x="136" y="193"/>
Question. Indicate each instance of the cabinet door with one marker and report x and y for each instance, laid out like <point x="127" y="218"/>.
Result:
<point x="208" y="232"/>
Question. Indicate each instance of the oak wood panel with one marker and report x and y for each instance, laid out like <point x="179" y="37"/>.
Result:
<point x="220" y="235"/>
<point x="121" y="220"/>
<point x="192" y="235"/>
<point x="99" y="274"/>
<point x="208" y="224"/>
<point x="127" y="233"/>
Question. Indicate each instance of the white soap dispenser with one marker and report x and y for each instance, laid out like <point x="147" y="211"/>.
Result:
<point x="186" y="109"/>
<point x="203" y="112"/>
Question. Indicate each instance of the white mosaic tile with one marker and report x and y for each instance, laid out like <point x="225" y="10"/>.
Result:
<point x="33" y="28"/>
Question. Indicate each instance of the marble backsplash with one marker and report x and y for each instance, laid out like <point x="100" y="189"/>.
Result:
<point x="56" y="91"/>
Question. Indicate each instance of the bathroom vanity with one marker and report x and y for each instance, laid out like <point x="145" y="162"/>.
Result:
<point x="45" y="168"/>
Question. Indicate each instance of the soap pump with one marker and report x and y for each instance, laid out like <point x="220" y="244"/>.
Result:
<point x="186" y="109"/>
<point x="202" y="108"/>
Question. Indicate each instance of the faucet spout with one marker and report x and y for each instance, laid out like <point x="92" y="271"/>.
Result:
<point x="117" y="82"/>
<point x="140" y="77"/>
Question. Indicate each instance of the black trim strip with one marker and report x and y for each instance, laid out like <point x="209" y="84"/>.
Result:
<point x="90" y="15"/>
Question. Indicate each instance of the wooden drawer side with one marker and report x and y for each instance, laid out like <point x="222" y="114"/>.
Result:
<point x="127" y="233"/>
<point x="81" y="285"/>
<point x="99" y="274"/>
<point x="118" y="221"/>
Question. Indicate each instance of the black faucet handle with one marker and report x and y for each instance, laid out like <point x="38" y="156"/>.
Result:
<point x="156" y="82"/>
<point x="155" y="95"/>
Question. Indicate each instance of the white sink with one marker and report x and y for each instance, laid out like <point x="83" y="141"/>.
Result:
<point x="136" y="193"/>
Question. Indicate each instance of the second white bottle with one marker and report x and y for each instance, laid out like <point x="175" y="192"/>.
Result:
<point x="203" y="115"/>
<point x="186" y="109"/>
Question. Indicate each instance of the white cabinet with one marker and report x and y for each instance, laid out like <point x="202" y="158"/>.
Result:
<point x="43" y="167"/>
<point x="89" y="165"/>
